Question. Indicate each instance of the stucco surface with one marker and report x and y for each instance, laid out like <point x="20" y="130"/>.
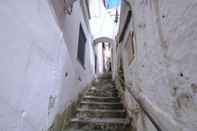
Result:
<point x="164" y="67"/>
<point x="101" y="23"/>
<point x="38" y="73"/>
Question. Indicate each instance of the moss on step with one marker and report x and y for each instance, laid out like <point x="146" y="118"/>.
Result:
<point x="93" y="83"/>
<point x="62" y="121"/>
<point x="133" y="114"/>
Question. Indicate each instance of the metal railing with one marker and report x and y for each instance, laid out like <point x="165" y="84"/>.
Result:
<point x="161" y="120"/>
<point x="143" y="109"/>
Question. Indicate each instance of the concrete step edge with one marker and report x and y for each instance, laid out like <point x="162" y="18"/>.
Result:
<point x="101" y="110"/>
<point x="99" y="97"/>
<point x="101" y="103"/>
<point x="101" y="120"/>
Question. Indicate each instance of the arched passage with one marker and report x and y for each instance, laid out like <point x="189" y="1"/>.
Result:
<point x="103" y="54"/>
<point x="104" y="39"/>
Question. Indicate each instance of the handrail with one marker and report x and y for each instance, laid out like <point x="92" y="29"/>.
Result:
<point x="147" y="114"/>
<point x="160" y="119"/>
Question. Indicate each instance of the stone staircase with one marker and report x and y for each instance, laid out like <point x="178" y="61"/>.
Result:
<point x="100" y="109"/>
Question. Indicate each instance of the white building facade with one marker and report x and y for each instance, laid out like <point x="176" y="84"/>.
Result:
<point x="42" y="67"/>
<point x="156" y="48"/>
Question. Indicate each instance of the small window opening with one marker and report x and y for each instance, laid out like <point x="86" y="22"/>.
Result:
<point x="81" y="46"/>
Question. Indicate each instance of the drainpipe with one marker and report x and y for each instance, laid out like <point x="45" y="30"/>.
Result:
<point x="128" y="19"/>
<point x="127" y="3"/>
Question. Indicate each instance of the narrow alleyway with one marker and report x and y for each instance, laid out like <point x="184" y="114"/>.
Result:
<point x="56" y="56"/>
<point x="100" y="109"/>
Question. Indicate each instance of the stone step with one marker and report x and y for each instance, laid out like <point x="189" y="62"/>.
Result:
<point x="101" y="113"/>
<point x="101" y="99"/>
<point x="103" y="91"/>
<point x="89" y="130"/>
<point x="111" y="88"/>
<point x="101" y="105"/>
<point x="104" y="83"/>
<point x="100" y="123"/>
<point x="82" y="130"/>
<point x="103" y="86"/>
<point x="105" y="76"/>
<point x="102" y="94"/>
<point x="100" y="109"/>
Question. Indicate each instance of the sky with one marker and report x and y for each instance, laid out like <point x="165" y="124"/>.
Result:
<point x="111" y="3"/>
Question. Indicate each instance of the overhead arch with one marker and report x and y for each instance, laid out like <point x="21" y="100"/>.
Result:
<point x="104" y="39"/>
<point x="112" y="44"/>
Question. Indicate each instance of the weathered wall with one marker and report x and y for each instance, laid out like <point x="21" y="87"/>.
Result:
<point x="39" y="75"/>
<point x="71" y="29"/>
<point x="165" y="64"/>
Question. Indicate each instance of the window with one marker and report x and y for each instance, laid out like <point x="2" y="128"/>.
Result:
<point x="81" y="46"/>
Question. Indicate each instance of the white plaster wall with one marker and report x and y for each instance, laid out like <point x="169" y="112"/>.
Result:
<point x="78" y="77"/>
<point x="100" y="58"/>
<point x="34" y="58"/>
<point x="165" y="63"/>
<point x="101" y="23"/>
<point x="71" y="33"/>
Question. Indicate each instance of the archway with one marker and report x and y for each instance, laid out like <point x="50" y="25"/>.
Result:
<point x="104" y="39"/>
<point x="103" y="54"/>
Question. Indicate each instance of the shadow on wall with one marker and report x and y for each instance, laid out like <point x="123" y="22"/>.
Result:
<point x="58" y="9"/>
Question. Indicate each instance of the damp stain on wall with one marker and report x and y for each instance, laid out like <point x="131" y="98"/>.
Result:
<point x="184" y="102"/>
<point x="194" y="88"/>
<point x="52" y="100"/>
